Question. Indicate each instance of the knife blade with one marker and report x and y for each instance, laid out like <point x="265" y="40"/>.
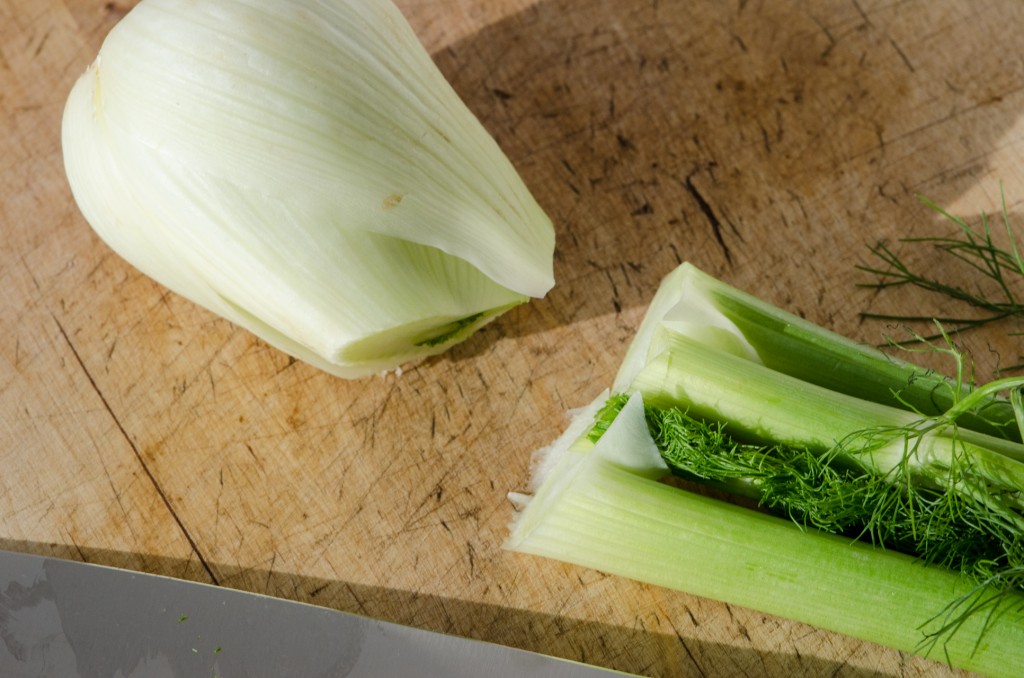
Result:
<point x="77" y="620"/>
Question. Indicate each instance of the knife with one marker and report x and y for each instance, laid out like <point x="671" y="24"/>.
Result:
<point x="69" y="619"/>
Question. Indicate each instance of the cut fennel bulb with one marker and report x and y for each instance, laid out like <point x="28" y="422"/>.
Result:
<point x="302" y="168"/>
<point x="889" y="524"/>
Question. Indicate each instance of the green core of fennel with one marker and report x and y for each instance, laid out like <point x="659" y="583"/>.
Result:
<point x="450" y="331"/>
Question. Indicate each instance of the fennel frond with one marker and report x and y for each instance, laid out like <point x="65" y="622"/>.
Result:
<point x="976" y="248"/>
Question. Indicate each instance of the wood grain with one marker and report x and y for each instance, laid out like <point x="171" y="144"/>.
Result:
<point x="768" y="142"/>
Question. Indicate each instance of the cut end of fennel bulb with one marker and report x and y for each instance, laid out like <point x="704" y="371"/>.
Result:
<point x="303" y="169"/>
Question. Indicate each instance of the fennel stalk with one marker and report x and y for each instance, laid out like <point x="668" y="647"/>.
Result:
<point x="870" y="494"/>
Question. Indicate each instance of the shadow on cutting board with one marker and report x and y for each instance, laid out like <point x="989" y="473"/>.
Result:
<point x="541" y="633"/>
<point x="769" y="143"/>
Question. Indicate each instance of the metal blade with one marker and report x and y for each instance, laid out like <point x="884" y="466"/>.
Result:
<point x="71" y="619"/>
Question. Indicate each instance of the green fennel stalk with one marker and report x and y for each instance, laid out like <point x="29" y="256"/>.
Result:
<point x="596" y="508"/>
<point x="834" y="493"/>
<point x="824" y="433"/>
<point x="693" y="303"/>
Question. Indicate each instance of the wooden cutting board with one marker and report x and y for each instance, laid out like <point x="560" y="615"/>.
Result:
<point x="768" y="142"/>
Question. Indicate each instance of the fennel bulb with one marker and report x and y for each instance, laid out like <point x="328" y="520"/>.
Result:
<point x="302" y="168"/>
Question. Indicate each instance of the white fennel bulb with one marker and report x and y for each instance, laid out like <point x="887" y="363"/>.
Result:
<point x="302" y="168"/>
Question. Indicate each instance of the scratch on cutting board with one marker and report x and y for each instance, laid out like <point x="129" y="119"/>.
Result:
<point x="713" y="220"/>
<point x="135" y="450"/>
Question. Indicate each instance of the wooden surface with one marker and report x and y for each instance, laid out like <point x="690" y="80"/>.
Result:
<point x="768" y="142"/>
